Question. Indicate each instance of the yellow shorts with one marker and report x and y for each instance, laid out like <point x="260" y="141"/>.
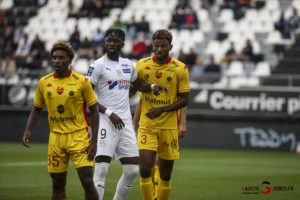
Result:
<point x="163" y="141"/>
<point x="62" y="146"/>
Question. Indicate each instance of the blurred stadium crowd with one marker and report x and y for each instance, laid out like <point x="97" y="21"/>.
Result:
<point x="225" y="43"/>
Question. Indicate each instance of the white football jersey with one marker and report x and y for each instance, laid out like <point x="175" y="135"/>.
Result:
<point x="112" y="82"/>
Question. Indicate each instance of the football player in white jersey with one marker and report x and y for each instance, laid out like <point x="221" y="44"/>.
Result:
<point x="111" y="77"/>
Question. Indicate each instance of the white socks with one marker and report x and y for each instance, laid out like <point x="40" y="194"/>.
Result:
<point x="100" y="173"/>
<point x="125" y="182"/>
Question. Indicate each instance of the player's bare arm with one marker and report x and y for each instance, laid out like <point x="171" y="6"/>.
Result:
<point x="32" y="120"/>
<point x="182" y="102"/>
<point x="132" y="91"/>
<point x="182" y="124"/>
<point x="91" y="150"/>
<point x="142" y="86"/>
<point x="137" y="113"/>
<point x="114" y="118"/>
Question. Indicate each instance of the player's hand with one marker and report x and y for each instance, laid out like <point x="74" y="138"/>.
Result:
<point x="158" y="88"/>
<point x="154" y="113"/>
<point x="26" y="138"/>
<point x="182" y="130"/>
<point x="91" y="150"/>
<point x="133" y="124"/>
<point x="117" y="121"/>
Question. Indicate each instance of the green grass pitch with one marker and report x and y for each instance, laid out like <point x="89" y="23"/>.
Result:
<point x="198" y="174"/>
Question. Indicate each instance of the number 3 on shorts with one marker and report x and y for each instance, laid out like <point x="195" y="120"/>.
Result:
<point x="144" y="139"/>
<point x="53" y="160"/>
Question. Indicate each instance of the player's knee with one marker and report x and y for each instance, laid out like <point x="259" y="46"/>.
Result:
<point x="166" y="176"/>
<point x="101" y="170"/>
<point x="145" y="170"/>
<point x="130" y="171"/>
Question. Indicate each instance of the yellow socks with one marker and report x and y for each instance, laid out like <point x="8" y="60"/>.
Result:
<point x="156" y="179"/>
<point x="164" y="189"/>
<point x="147" y="189"/>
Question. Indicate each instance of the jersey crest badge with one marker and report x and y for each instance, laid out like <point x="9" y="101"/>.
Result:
<point x="158" y="74"/>
<point x="60" y="90"/>
<point x="119" y="72"/>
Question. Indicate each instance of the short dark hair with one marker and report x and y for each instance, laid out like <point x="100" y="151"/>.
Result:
<point x="162" y="34"/>
<point x="118" y="32"/>
<point x="64" y="46"/>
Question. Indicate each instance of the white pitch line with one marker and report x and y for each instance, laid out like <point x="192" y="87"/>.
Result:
<point x="23" y="164"/>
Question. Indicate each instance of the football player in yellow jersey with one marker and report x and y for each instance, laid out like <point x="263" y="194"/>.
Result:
<point x="66" y="94"/>
<point x="158" y="127"/>
<point x="155" y="176"/>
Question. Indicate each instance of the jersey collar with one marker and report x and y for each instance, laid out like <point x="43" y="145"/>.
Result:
<point x="169" y="60"/>
<point x="69" y="74"/>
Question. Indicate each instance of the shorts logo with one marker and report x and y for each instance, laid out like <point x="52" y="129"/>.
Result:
<point x="71" y="93"/>
<point x="90" y="71"/>
<point x="174" y="144"/>
<point x="147" y="68"/>
<point x="49" y="85"/>
<point x="158" y="74"/>
<point x="60" y="109"/>
<point x="60" y="90"/>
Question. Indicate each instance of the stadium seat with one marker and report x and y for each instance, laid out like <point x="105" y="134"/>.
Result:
<point x="235" y="68"/>
<point x="262" y="69"/>
<point x="197" y="36"/>
<point x="226" y="15"/>
<point x="272" y="5"/>
<point x="81" y="66"/>
<point x="203" y="15"/>
<point x="264" y="15"/>
<point x="251" y="15"/>
<point x="223" y="83"/>
<point x="230" y="26"/>
<point x="237" y="82"/>
<point x="7" y="4"/>
<point x="274" y="38"/>
<point x="213" y="47"/>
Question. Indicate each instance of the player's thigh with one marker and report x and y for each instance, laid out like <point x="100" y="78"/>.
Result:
<point x="58" y="158"/>
<point x="78" y="143"/>
<point x="168" y="144"/>
<point x="147" y="139"/>
<point x="59" y="180"/>
<point x="127" y="145"/>
<point x="108" y="137"/>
